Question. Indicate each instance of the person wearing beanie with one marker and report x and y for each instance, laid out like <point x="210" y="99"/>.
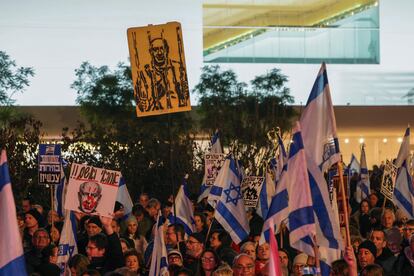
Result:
<point x="195" y="247"/>
<point x="366" y="253"/>
<point x="93" y="227"/>
<point x="33" y="220"/>
<point x="299" y="262"/>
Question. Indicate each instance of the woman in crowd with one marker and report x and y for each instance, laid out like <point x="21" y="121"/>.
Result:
<point x="249" y="248"/>
<point x="131" y="232"/>
<point x="360" y="219"/>
<point x="209" y="262"/>
<point x="133" y="261"/>
<point x="78" y="264"/>
<point x="263" y="255"/>
<point x="200" y="223"/>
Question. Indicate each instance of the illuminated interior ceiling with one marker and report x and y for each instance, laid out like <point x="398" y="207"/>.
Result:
<point x="226" y="21"/>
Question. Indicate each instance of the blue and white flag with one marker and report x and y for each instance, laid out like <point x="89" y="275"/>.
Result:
<point x="159" y="260"/>
<point x="404" y="191"/>
<point x="184" y="208"/>
<point x="12" y="260"/>
<point x="230" y="211"/>
<point x="322" y="150"/>
<point x="68" y="242"/>
<point x="124" y="198"/>
<point x="354" y="166"/>
<point x="282" y="159"/>
<point x="362" y="189"/>
<point x="319" y="124"/>
<point x="268" y="190"/>
<point x="215" y="148"/>
<point x="59" y="197"/>
<point x="301" y="220"/>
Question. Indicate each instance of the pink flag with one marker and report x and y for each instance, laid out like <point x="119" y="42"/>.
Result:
<point x="274" y="260"/>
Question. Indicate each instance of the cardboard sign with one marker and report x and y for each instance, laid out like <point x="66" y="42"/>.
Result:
<point x="49" y="164"/>
<point x="251" y="187"/>
<point x="388" y="180"/>
<point x="158" y="69"/>
<point x="92" y="190"/>
<point x="213" y="163"/>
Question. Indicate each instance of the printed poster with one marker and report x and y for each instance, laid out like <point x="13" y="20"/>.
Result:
<point x="388" y="180"/>
<point x="213" y="163"/>
<point x="92" y="190"/>
<point x="158" y="69"/>
<point x="251" y="187"/>
<point x="49" y="168"/>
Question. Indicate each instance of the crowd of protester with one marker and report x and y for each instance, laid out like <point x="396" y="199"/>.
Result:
<point x="382" y="241"/>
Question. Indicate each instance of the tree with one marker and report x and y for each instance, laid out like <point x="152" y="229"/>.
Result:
<point x="116" y="139"/>
<point x="244" y="113"/>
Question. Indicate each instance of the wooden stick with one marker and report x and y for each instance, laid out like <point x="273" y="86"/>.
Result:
<point x="344" y="205"/>
<point x="51" y="205"/>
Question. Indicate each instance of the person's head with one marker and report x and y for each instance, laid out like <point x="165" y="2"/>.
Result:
<point x="96" y="246"/>
<point x="299" y="262"/>
<point x="133" y="260"/>
<point x="124" y="245"/>
<point x="379" y="239"/>
<point x="143" y="200"/>
<point x="243" y="265"/>
<point x="132" y="226"/>
<point x="38" y="207"/>
<point x="138" y="211"/>
<point x="195" y="245"/>
<point x="54" y="234"/>
<point x="89" y="196"/>
<point x="284" y="257"/>
<point x="153" y="207"/>
<point x="40" y="239"/>
<point x="372" y="270"/>
<point x="364" y="206"/>
<point x="339" y="268"/>
<point x="209" y="260"/>
<point x="408" y="229"/>
<point x="115" y="226"/>
<point x="33" y="219"/>
<point x="93" y="226"/>
<point x="50" y="254"/>
<point x="215" y="238"/>
<point x="199" y="221"/>
<point x="223" y="270"/>
<point x="388" y="218"/>
<point x="263" y="251"/>
<point x="394" y="239"/>
<point x="78" y="264"/>
<point x="52" y="215"/>
<point x="175" y="258"/>
<point x="166" y="209"/>
<point x="366" y="253"/>
<point x="373" y="200"/>
<point x="175" y="234"/>
<point x="26" y="205"/>
<point x="249" y="248"/>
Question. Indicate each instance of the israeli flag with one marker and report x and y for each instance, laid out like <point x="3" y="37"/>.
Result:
<point x="124" y="198"/>
<point x="12" y="260"/>
<point x="322" y="150"/>
<point x="68" y="242"/>
<point x="184" y="210"/>
<point x="404" y="192"/>
<point x="267" y="192"/>
<point x="319" y="124"/>
<point x="362" y="189"/>
<point x="215" y="148"/>
<point x="159" y="260"/>
<point x="59" y="197"/>
<point x="230" y="211"/>
<point x="354" y="166"/>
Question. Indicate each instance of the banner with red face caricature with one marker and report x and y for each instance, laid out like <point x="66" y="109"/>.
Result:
<point x="92" y="190"/>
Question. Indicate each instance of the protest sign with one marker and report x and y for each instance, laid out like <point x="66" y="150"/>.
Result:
<point x="212" y="164"/>
<point x="158" y="69"/>
<point x="388" y="180"/>
<point x="251" y="187"/>
<point x="92" y="190"/>
<point x="49" y="169"/>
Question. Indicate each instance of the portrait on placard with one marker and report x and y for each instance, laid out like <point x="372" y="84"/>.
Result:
<point x="158" y="69"/>
<point x="251" y="187"/>
<point x="92" y="190"/>
<point x="213" y="163"/>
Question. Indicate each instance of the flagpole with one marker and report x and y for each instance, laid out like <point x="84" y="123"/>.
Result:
<point x="317" y="260"/>
<point x="51" y="204"/>
<point x="208" y="232"/>
<point x="344" y="205"/>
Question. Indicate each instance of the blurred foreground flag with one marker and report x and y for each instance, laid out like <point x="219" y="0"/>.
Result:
<point x="11" y="251"/>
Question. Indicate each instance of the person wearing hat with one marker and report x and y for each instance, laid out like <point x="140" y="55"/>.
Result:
<point x="366" y="253"/>
<point x="195" y="247"/>
<point x="299" y="262"/>
<point x="175" y="262"/>
<point x="93" y="227"/>
<point x="33" y="220"/>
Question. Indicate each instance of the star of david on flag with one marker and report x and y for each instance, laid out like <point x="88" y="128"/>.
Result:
<point x="235" y="196"/>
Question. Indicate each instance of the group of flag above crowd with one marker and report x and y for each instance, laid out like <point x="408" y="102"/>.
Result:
<point x="294" y="191"/>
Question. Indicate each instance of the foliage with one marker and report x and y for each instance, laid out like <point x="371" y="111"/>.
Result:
<point x="244" y="113"/>
<point x="116" y="139"/>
